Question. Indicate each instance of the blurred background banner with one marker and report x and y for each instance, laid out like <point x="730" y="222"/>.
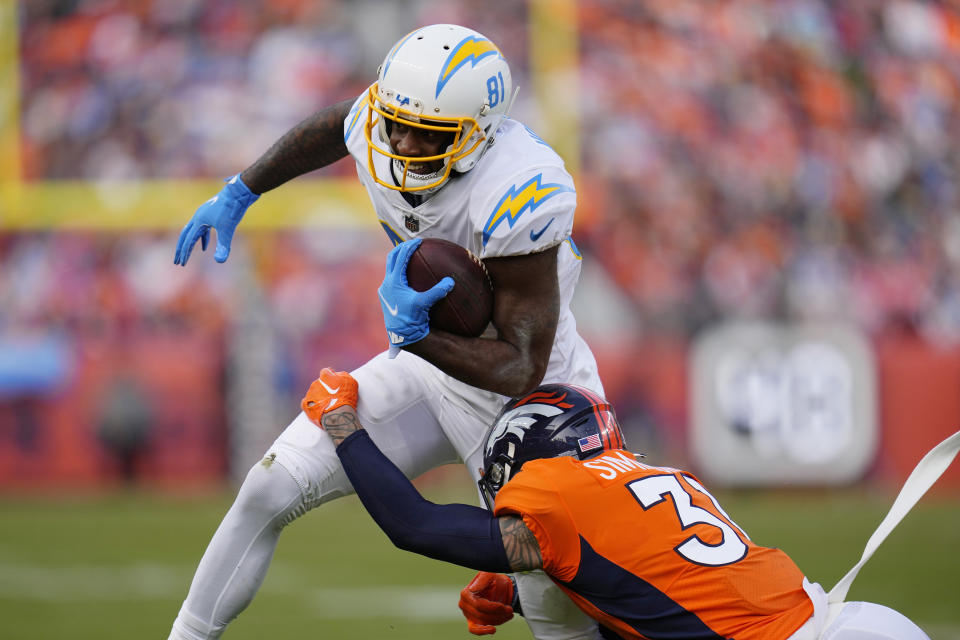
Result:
<point x="774" y="404"/>
<point x="776" y="165"/>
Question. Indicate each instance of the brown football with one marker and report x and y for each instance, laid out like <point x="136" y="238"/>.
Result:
<point x="467" y="309"/>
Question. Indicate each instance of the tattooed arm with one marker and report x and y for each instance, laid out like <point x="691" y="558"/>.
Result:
<point x="314" y="143"/>
<point x="523" y="550"/>
<point x="340" y="424"/>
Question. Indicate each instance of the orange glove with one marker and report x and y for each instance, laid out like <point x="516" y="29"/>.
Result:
<point x="328" y="392"/>
<point x="486" y="601"/>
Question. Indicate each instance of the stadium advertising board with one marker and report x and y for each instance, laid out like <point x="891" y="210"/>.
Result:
<point x="783" y="405"/>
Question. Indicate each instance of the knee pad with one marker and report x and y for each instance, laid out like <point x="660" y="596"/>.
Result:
<point x="270" y="493"/>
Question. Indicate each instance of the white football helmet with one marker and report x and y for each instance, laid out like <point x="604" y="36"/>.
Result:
<point x="441" y="78"/>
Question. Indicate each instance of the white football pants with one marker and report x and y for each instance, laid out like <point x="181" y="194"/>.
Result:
<point x="420" y="419"/>
<point x="854" y="620"/>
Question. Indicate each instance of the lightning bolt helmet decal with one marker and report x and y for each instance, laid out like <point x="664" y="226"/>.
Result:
<point x="471" y="49"/>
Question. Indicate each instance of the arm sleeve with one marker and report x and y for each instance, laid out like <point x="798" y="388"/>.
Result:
<point x="457" y="533"/>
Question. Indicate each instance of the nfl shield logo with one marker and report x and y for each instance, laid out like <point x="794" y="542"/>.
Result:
<point x="411" y="223"/>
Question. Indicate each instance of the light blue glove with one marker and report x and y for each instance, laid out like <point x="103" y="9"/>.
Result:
<point x="406" y="312"/>
<point x="223" y="212"/>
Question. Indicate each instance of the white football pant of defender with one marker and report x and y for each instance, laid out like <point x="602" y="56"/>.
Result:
<point x="836" y="619"/>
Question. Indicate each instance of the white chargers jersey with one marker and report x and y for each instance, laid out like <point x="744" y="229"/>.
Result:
<point x="518" y="199"/>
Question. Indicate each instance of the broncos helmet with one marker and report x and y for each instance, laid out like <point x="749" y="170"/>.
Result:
<point x="444" y="78"/>
<point x="554" y="420"/>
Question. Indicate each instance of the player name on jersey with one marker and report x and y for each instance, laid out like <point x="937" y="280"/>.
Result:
<point x="611" y="465"/>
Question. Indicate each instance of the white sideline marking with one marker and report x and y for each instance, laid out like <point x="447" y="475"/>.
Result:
<point x="155" y="582"/>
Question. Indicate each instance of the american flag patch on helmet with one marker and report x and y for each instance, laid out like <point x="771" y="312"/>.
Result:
<point x="589" y="443"/>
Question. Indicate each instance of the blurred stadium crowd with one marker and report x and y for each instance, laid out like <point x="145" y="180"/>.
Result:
<point x="787" y="160"/>
<point x="781" y="159"/>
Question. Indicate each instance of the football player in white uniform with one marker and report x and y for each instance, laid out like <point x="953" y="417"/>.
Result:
<point x="439" y="158"/>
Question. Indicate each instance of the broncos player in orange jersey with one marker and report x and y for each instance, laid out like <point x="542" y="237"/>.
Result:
<point x="646" y="551"/>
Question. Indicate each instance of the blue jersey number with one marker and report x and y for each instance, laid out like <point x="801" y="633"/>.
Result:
<point x="495" y="89"/>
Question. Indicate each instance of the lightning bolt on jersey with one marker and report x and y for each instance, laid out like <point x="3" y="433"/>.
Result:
<point x="650" y="553"/>
<point x="518" y="199"/>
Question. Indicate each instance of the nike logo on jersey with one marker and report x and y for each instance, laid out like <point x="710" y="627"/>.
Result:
<point x="394" y="310"/>
<point x="332" y="402"/>
<point x="534" y="236"/>
<point x="329" y="390"/>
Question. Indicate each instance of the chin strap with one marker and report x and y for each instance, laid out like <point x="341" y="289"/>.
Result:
<point x="927" y="471"/>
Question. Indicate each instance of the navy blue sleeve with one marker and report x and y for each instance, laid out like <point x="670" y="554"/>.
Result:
<point x="457" y="533"/>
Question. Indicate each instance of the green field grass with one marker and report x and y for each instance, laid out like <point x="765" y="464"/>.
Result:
<point x="117" y="565"/>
